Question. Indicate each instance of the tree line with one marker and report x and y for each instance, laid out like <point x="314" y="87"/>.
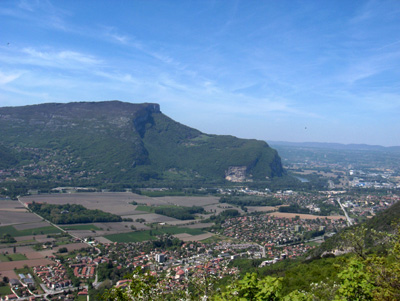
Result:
<point x="72" y="214"/>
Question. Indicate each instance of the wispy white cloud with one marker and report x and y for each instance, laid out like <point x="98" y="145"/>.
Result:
<point x="368" y="65"/>
<point x="8" y="78"/>
<point x="374" y="9"/>
<point x="64" y="59"/>
<point x="44" y="13"/>
<point x="26" y="5"/>
<point x="112" y="33"/>
<point x="375" y="102"/>
<point x="118" y="77"/>
<point x="364" y="13"/>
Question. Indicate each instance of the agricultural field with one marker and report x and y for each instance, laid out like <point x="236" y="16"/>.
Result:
<point x="119" y="203"/>
<point x="27" y="256"/>
<point x="151" y="234"/>
<point x="34" y="225"/>
<point x="12" y="257"/>
<point x="6" y="267"/>
<point x="26" y="232"/>
<point x="187" y="237"/>
<point x="12" y="212"/>
<point x="190" y="201"/>
<point x="81" y="227"/>
<point x="305" y="216"/>
<point x="251" y="209"/>
<point x="34" y="229"/>
<point x="115" y="203"/>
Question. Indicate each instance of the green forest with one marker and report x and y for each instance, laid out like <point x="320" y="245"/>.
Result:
<point x="178" y="212"/>
<point x="72" y="214"/>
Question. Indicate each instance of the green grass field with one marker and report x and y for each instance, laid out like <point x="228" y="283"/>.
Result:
<point x="145" y="208"/>
<point x="17" y="257"/>
<point x="5" y="290"/>
<point x="312" y="243"/>
<point x="25" y="270"/>
<point x="177" y="230"/>
<point x="36" y="231"/>
<point x="81" y="227"/>
<point x="12" y="257"/>
<point x="138" y="236"/>
<point x="4" y="258"/>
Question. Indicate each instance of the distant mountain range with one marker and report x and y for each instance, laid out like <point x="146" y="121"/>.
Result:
<point x="336" y="146"/>
<point x="115" y="142"/>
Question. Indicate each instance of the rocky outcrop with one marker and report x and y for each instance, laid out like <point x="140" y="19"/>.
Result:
<point x="236" y="174"/>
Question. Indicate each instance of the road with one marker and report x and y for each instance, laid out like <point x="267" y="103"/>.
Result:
<point x="349" y="221"/>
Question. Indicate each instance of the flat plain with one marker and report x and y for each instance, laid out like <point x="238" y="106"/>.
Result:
<point x="119" y="203"/>
<point x="12" y="212"/>
<point x="306" y="216"/>
<point x="251" y="209"/>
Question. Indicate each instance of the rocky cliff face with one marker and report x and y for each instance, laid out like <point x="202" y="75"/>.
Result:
<point x="236" y="174"/>
<point x="117" y="141"/>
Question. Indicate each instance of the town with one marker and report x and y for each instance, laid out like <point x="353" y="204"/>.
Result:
<point x="265" y="233"/>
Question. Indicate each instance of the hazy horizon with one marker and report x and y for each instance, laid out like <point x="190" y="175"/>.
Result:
<point x="293" y="71"/>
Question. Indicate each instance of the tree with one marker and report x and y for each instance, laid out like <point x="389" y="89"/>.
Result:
<point x="356" y="283"/>
<point x="370" y="276"/>
<point x="63" y="250"/>
<point x="253" y="288"/>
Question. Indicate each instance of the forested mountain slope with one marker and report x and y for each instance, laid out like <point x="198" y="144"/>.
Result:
<point x="113" y="141"/>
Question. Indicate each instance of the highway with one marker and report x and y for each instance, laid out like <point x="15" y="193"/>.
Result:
<point x="349" y="221"/>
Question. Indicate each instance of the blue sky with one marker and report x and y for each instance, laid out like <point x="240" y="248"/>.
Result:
<point x="324" y="71"/>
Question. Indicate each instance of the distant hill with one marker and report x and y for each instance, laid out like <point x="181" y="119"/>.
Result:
<point x="115" y="142"/>
<point x="336" y="146"/>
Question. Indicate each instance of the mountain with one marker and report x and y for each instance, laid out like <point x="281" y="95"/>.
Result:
<point x="114" y="142"/>
<point x="336" y="146"/>
<point x="7" y="158"/>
